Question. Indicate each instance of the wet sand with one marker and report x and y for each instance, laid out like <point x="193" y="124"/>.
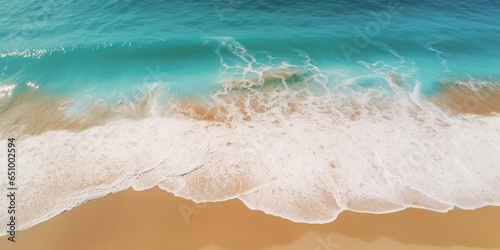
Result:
<point x="34" y="114"/>
<point x="155" y="219"/>
<point x="463" y="100"/>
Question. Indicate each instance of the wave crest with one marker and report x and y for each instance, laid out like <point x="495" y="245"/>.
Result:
<point x="279" y="139"/>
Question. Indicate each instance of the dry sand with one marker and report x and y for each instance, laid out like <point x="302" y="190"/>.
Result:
<point x="155" y="219"/>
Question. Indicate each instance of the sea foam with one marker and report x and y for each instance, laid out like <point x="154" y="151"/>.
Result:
<point x="283" y="141"/>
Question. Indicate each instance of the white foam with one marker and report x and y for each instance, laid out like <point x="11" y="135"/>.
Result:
<point x="6" y="91"/>
<point x="345" y="149"/>
<point x="308" y="167"/>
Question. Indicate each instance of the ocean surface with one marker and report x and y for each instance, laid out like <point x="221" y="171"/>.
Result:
<point x="301" y="109"/>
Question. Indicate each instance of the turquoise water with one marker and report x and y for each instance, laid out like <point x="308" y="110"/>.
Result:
<point x="301" y="109"/>
<point x="120" y="46"/>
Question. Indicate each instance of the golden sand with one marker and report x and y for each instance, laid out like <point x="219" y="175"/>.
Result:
<point x="462" y="99"/>
<point x="35" y="113"/>
<point x="155" y="219"/>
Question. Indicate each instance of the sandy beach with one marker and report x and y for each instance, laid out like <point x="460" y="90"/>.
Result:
<point x="316" y="125"/>
<point x="155" y="219"/>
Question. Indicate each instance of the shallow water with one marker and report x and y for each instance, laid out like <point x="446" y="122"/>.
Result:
<point x="300" y="109"/>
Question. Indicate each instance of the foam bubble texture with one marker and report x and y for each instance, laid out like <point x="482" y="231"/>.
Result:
<point x="281" y="148"/>
<point x="305" y="166"/>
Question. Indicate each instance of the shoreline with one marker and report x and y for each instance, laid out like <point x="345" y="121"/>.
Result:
<point x="155" y="219"/>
